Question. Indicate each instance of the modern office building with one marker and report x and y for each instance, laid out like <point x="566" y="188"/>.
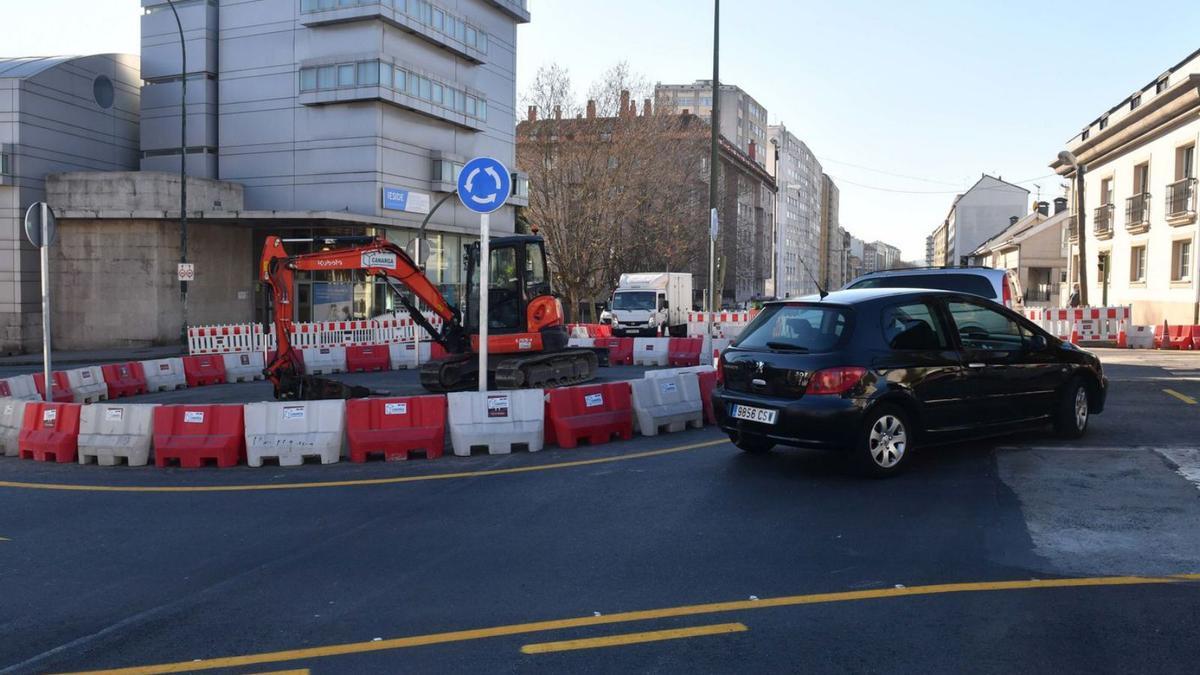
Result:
<point x="743" y="120"/>
<point x="56" y="114"/>
<point x="798" y="214"/>
<point x="976" y="216"/>
<point x="1140" y="199"/>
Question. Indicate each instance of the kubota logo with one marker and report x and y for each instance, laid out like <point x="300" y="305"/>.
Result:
<point x="331" y="263"/>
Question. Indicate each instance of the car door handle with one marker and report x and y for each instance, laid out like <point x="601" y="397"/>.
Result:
<point x="976" y="365"/>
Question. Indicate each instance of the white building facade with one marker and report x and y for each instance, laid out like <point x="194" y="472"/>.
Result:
<point x="798" y="214"/>
<point x="1140" y="199"/>
<point x="977" y="215"/>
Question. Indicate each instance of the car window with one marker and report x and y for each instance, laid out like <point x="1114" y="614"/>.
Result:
<point x="800" y="327"/>
<point x="985" y="329"/>
<point x="975" y="284"/>
<point x="912" y="326"/>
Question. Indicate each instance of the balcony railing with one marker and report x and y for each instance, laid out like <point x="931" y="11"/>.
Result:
<point x="1073" y="229"/>
<point x="1181" y="202"/>
<point x="1102" y="221"/>
<point x="1137" y="213"/>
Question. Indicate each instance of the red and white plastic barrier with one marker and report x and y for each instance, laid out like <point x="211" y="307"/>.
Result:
<point x="726" y="325"/>
<point x="1082" y="324"/>
<point x="252" y="337"/>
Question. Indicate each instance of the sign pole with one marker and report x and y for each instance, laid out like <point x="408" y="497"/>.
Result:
<point x="45" y="253"/>
<point x="485" y="276"/>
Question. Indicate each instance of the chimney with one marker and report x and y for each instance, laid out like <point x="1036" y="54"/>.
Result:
<point x="624" y="109"/>
<point x="753" y="152"/>
<point x="633" y="108"/>
<point x="646" y="108"/>
<point x="558" y="112"/>
<point x="685" y="112"/>
<point x="1012" y="220"/>
<point x="1043" y="208"/>
<point x="591" y="108"/>
<point x="1060" y="205"/>
<point x="531" y="115"/>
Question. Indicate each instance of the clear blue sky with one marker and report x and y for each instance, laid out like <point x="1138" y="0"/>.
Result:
<point x="940" y="90"/>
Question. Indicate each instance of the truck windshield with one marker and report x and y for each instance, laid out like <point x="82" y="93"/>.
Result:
<point x="634" y="300"/>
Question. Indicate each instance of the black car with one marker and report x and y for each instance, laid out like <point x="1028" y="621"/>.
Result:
<point x="879" y="371"/>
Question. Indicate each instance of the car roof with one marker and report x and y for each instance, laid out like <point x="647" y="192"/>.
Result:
<point x="858" y="296"/>
<point x="979" y="271"/>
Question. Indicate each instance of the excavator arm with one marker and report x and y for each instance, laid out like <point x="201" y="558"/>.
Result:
<point x="374" y="256"/>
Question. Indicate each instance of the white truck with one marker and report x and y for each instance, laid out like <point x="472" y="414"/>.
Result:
<point x="651" y="303"/>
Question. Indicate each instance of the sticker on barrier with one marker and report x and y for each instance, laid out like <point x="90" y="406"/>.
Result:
<point x="670" y="402"/>
<point x="293" y="432"/>
<point x="195" y="435"/>
<point x="110" y="433"/>
<point x="594" y="413"/>
<point x="396" y="428"/>
<point x="49" y="432"/>
<point x="496" y="421"/>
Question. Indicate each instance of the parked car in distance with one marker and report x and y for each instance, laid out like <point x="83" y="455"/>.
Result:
<point x="986" y="282"/>
<point x="879" y="372"/>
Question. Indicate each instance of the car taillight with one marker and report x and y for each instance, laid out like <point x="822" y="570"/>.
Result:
<point x="835" y="380"/>
<point x="1007" y="292"/>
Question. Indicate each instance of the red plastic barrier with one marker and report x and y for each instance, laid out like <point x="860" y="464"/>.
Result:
<point x="599" y="330"/>
<point x="4" y="389"/>
<point x="202" y="370"/>
<point x="49" y="432"/>
<point x="396" y="427"/>
<point x="191" y="435"/>
<point x="594" y="413"/>
<point x="60" y="389"/>
<point x="367" y="358"/>
<point x="124" y="379"/>
<point x="620" y="350"/>
<point x="1182" y="336"/>
<point x="708" y="382"/>
<point x="684" y="351"/>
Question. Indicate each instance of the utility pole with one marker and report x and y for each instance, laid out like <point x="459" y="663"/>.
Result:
<point x="183" y="224"/>
<point x="1067" y="157"/>
<point x="714" y="158"/>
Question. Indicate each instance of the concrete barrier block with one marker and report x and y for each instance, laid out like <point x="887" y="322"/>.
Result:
<point x="651" y="351"/>
<point x="292" y="432"/>
<point x="164" y="374"/>
<point x="243" y="367"/>
<point x="110" y="432"/>
<point x="87" y="384"/>
<point x="23" y="387"/>
<point x="672" y="402"/>
<point x="405" y="355"/>
<point x="12" y="413"/>
<point x="496" y="420"/>
<point x="324" y="360"/>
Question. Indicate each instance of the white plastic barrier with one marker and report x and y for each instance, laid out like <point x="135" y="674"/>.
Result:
<point x="290" y="432"/>
<point x="581" y="342"/>
<point x="23" y="387"/>
<point x="671" y="401"/>
<point x="12" y="413"/>
<point x="164" y="374"/>
<point x="578" y="332"/>
<point x="324" y="360"/>
<point x="406" y="355"/>
<point x="718" y="346"/>
<point x="497" y="420"/>
<point x="88" y="384"/>
<point x="1139" y="337"/>
<point x="650" y="351"/>
<point x="244" y="367"/>
<point x="109" y="432"/>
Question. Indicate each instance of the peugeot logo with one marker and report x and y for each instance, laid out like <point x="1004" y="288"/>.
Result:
<point x="759" y="366"/>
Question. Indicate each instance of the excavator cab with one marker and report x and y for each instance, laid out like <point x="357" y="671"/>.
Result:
<point x="523" y="314"/>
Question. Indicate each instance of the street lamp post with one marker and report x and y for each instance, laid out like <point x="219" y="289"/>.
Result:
<point x="183" y="224"/>
<point x="714" y="120"/>
<point x="1066" y="157"/>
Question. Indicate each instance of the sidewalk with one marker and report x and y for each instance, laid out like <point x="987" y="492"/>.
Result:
<point x="58" y="359"/>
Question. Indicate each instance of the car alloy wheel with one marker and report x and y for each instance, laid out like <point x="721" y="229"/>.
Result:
<point x="1081" y="408"/>
<point x="887" y="441"/>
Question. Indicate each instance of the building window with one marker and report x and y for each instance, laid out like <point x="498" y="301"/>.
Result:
<point x="1185" y="159"/>
<point x="345" y="75"/>
<point x="437" y="93"/>
<point x="326" y="77"/>
<point x="1181" y="260"/>
<point x="368" y="74"/>
<point x="1106" y="192"/>
<point x="1141" y="178"/>
<point x="399" y="82"/>
<point x="520" y="184"/>
<point x="1084" y="136"/>
<point x="1103" y="123"/>
<point x="375" y="73"/>
<point x="425" y="89"/>
<point x="1160" y="86"/>
<point x="308" y="79"/>
<point x="446" y="171"/>
<point x="1135" y="101"/>
<point x="1137" y="264"/>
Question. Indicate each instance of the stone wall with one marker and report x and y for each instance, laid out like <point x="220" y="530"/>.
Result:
<point x="114" y="281"/>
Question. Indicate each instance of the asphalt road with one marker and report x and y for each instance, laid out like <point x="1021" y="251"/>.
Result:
<point x="662" y="554"/>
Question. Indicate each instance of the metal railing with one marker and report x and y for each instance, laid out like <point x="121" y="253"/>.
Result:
<point x="1181" y="199"/>
<point x="1137" y="212"/>
<point x="1073" y="229"/>
<point x="1102" y="220"/>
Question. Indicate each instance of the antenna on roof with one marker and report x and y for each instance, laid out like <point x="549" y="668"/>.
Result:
<point x="820" y="289"/>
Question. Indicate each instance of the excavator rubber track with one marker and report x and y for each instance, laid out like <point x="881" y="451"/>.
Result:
<point x="546" y="370"/>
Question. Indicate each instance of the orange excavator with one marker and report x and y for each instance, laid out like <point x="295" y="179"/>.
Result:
<point x="527" y="339"/>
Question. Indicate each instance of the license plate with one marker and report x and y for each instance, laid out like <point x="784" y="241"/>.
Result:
<point x="760" y="415"/>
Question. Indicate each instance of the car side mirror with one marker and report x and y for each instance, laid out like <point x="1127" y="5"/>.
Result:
<point x="1037" y="343"/>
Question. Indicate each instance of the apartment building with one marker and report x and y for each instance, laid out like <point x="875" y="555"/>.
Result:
<point x="1139" y="160"/>
<point x="929" y="251"/>
<point x="56" y="114"/>
<point x="831" y="268"/>
<point x="798" y="214"/>
<point x="880" y="256"/>
<point x="1033" y="250"/>
<point x="974" y="217"/>
<point x="743" y="119"/>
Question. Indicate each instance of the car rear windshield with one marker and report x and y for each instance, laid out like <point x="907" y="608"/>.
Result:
<point x="805" y="328"/>
<point x="975" y="284"/>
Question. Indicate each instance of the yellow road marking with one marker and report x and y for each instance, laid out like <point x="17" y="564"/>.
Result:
<point x="1182" y="397"/>
<point x="625" y="617"/>
<point x="356" y="483"/>
<point x="633" y="638"/>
